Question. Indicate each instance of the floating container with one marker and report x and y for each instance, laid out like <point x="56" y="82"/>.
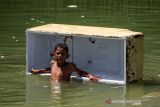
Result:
<point x="114" y="54"/>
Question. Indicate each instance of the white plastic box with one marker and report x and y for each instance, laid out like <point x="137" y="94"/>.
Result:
<point x="114" y="54"/>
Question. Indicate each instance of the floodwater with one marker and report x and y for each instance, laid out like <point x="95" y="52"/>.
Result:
<point x="19" y="90"/>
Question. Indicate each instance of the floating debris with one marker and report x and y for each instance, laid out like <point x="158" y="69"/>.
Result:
<point x="17" y="40"/>
<point x="72" y="6"/>
<point x="45" y="86"/>
<point x="82" y="16"/>
<point x="13" y="37"/>
<point x="42" y="21"/>
<point x="2" y="57"/>
<point x="32" y="19"/>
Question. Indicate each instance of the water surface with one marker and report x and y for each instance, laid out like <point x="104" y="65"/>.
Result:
<point x="17" y="89"/>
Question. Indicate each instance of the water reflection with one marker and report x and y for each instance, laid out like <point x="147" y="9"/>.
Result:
<point x="38" y="90"/>
<point x="42" y="92"/>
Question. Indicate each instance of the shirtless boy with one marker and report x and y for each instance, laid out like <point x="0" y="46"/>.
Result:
<point x="60" y="69"/>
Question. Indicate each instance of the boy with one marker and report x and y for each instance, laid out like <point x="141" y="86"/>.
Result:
<point x="60" y="69"/>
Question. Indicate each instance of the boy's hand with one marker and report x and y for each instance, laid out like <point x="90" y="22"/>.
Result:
<point x="34" y="71"/>
<point x="94" y="78"/>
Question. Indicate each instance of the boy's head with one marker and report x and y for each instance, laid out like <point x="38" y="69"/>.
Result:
<point x="61" y="45"/>
<point x="60" y="53"/>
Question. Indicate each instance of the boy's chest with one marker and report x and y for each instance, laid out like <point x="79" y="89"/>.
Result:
<point x="59" y="71"/>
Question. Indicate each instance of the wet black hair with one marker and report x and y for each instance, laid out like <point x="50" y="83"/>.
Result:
<point x="60" y="45"/>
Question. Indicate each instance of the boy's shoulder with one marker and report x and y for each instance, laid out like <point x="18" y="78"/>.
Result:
<point x="52" y="62"/>
<point x="69" y="64"/>
<point x="72" y="65"/>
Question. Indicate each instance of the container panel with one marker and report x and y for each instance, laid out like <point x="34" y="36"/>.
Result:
<point x="103" y="57"/>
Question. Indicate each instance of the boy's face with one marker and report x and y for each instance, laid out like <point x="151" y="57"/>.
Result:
<point x="60" y="55"/>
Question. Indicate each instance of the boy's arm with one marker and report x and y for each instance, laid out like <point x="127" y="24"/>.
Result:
<point x="37" y="71"/>
<point x="84" y="73"/>
<point x="45" y="70"/>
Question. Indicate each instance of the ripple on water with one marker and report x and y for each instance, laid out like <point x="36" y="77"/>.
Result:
<point x="149" y="38"/>
<point x="150" y="95"/>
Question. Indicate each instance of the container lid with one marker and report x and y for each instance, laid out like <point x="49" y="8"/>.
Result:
<point x="77" y="30"/>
